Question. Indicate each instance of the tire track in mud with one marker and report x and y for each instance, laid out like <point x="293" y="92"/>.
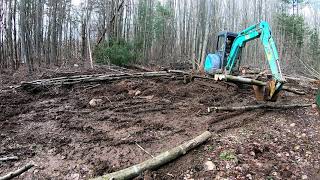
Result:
<point x="119" y="116"/>
<point x="233" y="120"/>
<point x="164" y="114"/>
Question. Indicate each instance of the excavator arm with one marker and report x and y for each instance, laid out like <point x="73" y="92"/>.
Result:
<point x="263" y="31"/>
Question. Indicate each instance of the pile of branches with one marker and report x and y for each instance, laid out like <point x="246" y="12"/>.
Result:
<point x="169" y="74"/>
<point x="70" y="80"/>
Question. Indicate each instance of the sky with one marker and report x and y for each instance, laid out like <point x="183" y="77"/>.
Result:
<point x="76" y="2"/>
<point x="307" y="10"/>
<point x="315" y="4"/>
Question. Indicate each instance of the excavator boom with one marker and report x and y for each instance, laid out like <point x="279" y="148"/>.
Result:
<point x="263" y="31"/>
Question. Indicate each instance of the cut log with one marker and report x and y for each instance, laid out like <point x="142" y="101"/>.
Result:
<point x="173" y="74"/>
<point x="301" y="78"/>
<point x="17" y="172"/>
<point x="9" y="158"/>
<point x="295" y="91"/>
<point x="159" y="160"/>
<point x="244" y="80"/>
<point x="178" y="71"/>
<point x="239" y="79"/>
<point x="259" y="106"/>
<point x="91" y="78"/>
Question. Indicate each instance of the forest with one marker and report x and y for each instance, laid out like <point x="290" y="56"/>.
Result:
<point x="44" y="34"/>
<point x="159" y="89"/>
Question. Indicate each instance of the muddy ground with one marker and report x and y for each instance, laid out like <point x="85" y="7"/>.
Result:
<point x="57" y="129"/>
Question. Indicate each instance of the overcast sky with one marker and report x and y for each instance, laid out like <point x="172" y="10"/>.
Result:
<point x="76" y="2"/>
<point x="307" y="10"/>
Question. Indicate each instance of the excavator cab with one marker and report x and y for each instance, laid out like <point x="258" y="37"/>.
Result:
<point x="222" y="51"/>
<point x="223" y="47"/>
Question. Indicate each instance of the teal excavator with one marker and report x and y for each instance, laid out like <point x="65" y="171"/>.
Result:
<point x="227" y="57"/>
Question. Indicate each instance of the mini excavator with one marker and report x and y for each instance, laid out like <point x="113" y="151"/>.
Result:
<point x="227" y="57"/>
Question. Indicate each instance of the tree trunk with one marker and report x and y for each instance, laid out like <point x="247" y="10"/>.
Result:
<point x="88" y="34"/>
<point x="159" y="160"/>
<point x="205" y="41"/>
<point x="17" y="172"/>
<point x="54" y="37"/>
<point x="259" y="106"/>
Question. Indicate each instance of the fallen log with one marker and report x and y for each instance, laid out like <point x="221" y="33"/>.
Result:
<point x="243" y="80"/>
<point x="259" y="106"/>
<point x="92" y="78"/>
<point x="157" y="161"/>
<point x="70" y="80"/>
<point x="239" y="79"/>
<point x="10" y="158"/>
<point x="178" y="71"/>
<point x="17" y="172"/>
<point x="295" y="91"/>
<point x="301" y="78"/>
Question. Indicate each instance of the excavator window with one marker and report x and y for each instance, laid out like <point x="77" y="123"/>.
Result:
<point x="220" y="45"/>
<point x="229" y="44"/>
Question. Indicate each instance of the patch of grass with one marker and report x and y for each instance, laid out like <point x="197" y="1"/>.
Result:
<point x="228" y="156"/>
<point x="209" y="147"/>
<point x="269" y="178"/>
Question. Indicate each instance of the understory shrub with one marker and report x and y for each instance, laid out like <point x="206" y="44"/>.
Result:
<point x="115" y="52"/>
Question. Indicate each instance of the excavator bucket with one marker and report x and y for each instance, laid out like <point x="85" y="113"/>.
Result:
<point x="266" y="93"/>
<point x="271" y="93"/>
<point x="259" y="92"/>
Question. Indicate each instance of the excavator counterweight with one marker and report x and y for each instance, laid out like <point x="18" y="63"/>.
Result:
<point x="227" y="58"/>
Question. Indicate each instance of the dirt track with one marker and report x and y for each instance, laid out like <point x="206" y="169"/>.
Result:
<point x="66" y="138"/>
